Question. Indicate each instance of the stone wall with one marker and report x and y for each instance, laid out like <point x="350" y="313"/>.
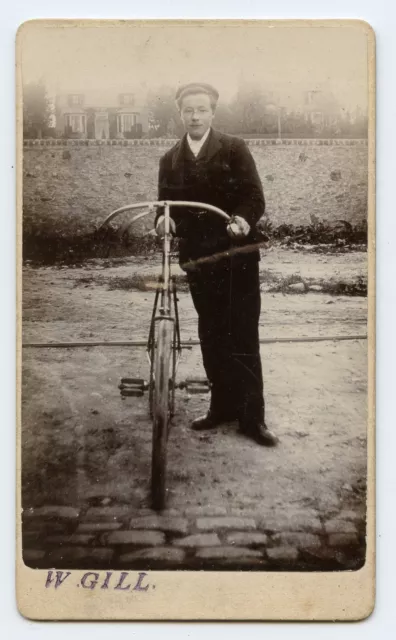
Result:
<point x="69" y="186"/>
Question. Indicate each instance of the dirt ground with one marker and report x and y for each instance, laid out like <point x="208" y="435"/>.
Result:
<point x="83" y="443"/>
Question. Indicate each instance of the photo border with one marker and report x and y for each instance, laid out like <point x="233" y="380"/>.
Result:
<point x="191" y="595"/>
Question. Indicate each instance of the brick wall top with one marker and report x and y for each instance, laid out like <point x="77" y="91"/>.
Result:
<point x="168" y="142"/>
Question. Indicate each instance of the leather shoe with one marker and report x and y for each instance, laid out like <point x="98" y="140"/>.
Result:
<point x="261" y="434"/>
<point x="208" y="421"/>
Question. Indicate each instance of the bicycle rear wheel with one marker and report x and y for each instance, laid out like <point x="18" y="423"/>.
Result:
<point x="161" y="410"/>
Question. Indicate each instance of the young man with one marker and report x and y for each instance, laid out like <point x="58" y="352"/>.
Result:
<point x="221" y="261"/>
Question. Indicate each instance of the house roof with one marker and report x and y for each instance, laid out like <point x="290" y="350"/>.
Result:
<point x="106" y="98"/>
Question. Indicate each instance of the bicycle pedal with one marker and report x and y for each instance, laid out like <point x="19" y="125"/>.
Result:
<point x="133" y="383"/>
<point x="197" y="388"/>
<point x="123" y="385"/>
<point x="135" y="392"/>
<point x="202" y="381"/>
<point x="138" y="381"/>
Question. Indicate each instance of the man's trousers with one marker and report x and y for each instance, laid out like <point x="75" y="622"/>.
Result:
<point x="227" y="300"/>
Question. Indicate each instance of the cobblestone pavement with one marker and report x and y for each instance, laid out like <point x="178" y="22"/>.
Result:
<point x="199" y="538"/>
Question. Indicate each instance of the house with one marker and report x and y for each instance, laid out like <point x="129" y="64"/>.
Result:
<point x="321" y="108"/>
<point x="317" y="107"/>
<point x="101" y="114"/>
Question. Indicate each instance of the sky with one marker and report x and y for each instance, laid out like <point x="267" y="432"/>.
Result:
<point x="126" y="56"/>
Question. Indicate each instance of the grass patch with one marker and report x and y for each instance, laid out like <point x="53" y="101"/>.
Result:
<point x="273" y="283"/>
<point x="356" y="287"/>
<point x="294" y="284"/>
<point x="134" y="282"/>
<point x="47" y="249"/>
<point x="341" y="234"/>
<point x="52" y="248"/>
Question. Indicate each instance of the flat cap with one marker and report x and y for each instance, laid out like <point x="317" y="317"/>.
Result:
<point x="196" y="87"/>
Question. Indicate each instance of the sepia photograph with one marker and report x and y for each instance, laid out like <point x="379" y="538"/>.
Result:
<point x="195" y="296"/>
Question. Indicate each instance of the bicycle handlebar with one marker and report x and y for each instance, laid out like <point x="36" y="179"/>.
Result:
<point x="162" y="203"/>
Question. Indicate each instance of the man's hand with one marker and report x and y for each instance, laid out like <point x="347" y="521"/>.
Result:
<point x="264" y="226"/>
<point x="238" y="227"/>
<point x="160" y="226"/>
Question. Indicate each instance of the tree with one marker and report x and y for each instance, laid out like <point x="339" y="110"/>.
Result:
<point x="37" y="110"/>
<point x="248" y="108"/>
<point x="224" y="119"/>
<point x="164" y="120"/>
<point x="297" y="125"/>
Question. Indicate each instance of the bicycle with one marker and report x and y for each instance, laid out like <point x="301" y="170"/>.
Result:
<point x="163" y="345"/>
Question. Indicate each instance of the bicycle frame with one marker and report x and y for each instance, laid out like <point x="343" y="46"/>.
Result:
<point x="165" y="296"/>
<point x="166" y="291"/>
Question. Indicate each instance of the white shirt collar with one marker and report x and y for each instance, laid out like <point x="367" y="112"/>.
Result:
<point x="196" y="145"/>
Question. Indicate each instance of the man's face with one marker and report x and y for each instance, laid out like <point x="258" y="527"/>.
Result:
<point x="197" y="114"/>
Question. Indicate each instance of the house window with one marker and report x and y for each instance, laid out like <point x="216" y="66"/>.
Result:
<point x="127" y="98"/>
<point x="76" y="99"/>
<point x="75" y="122"/>
<point x="317" y="117"/>
<point x="126" y="122"/>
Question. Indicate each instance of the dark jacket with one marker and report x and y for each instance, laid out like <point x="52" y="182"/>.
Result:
<point x="224" y="174"/>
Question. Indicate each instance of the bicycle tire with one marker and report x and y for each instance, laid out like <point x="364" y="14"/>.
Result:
<point x="161" y="412"/>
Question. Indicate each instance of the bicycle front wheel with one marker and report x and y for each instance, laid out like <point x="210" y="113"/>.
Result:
<point x="161" y="410"/>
